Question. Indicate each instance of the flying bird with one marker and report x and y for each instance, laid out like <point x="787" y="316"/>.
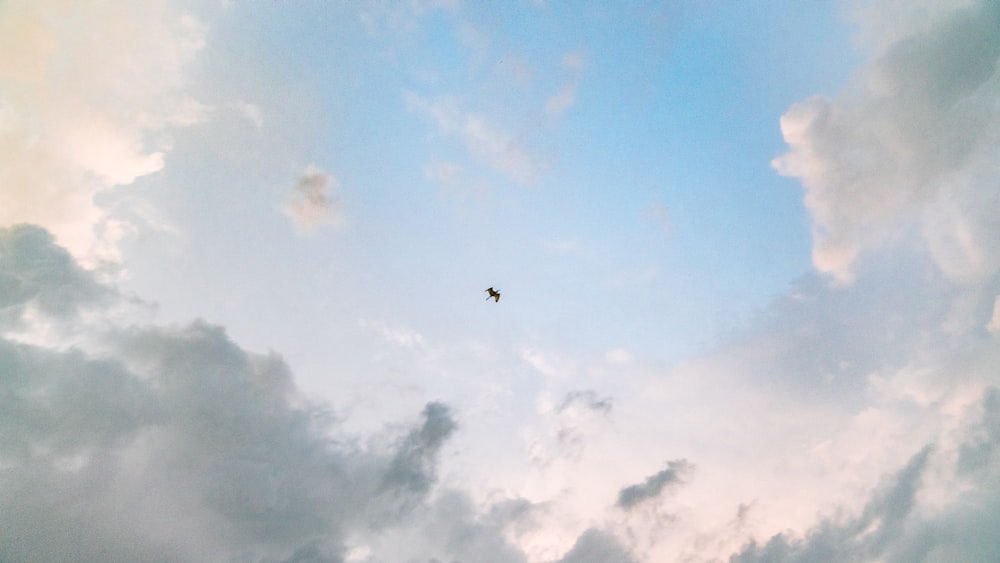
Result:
<point x="494" y="294"/>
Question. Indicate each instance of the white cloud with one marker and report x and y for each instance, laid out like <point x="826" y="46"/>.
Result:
<point x="912" y="141"/>
<point x="251" y="112"/>
<point x="87" y="97"/>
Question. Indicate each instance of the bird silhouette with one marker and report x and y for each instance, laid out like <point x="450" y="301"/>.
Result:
<point x="494" y="294"/>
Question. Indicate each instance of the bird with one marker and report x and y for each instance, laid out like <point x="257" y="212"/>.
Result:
<point x="494" y="294"/>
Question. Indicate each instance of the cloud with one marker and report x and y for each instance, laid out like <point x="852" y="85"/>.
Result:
<point x="979" y="451"/>
<point x="595" y="546"/>
<point x="910" y="146"/>
<point x="37" y="274"/>
<point x="486" y="141"/>
<point x="938" y="507"/>
<point x="89" y="97"/>
<point x="399" y="335"/>
<point x="651" y="488"/>
<point x="548" y="363"/>
<point x="994" y="324"/>
<point x="619" y="356"/>
<point x="587" y="399"/>
<point x="563" y="100"/>
<point x="313" y="204"/>
<point x="865" y="538"/>
<point x="412" y="468"/>
<point x="175" y="438"/>
<point x="173" y="443"/>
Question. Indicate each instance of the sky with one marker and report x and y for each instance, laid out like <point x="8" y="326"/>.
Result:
<point x="748" y="254"/>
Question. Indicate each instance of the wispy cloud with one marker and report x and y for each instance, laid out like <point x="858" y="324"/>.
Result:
<point x="561" y="101"/>
<point x="399" y="335"/>
<point x="483" y="138"/>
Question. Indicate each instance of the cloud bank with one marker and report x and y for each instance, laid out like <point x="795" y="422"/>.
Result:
<point x="125" y="441"/>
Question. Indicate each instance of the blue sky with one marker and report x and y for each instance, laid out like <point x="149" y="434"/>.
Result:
<point x="747" y="254"/>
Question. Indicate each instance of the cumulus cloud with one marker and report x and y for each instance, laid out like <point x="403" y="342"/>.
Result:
<point x="911" y="145"/>
<point x="88" y="96"/>
<point x="653" y="486"/>
<point x="313" y="203"/>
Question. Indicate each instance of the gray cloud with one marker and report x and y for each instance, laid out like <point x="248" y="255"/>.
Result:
<point x="864" y="538"/>
<point x="587" y="399"/>
<point x="36" y="273"/>
<point x="980" y="450"/>
<point x="894" y="526"/>
<point x="173" y="437"/>
<point x="411" y="472"/>
<point x="595" y="546"/>
<point x="651" y="488"/>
